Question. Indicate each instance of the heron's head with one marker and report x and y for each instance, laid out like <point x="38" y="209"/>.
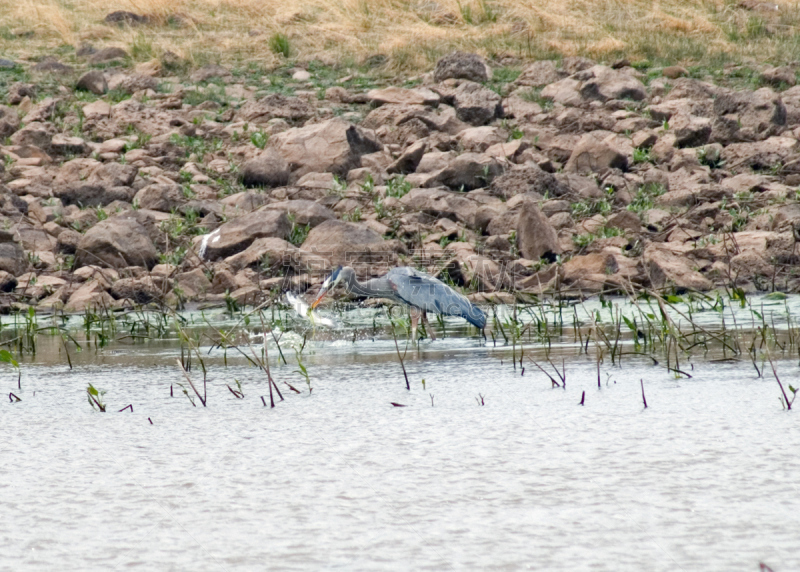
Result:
<point x="330" y="282"/>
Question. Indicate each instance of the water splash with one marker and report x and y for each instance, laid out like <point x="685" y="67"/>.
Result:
<point x="304" y="310"/>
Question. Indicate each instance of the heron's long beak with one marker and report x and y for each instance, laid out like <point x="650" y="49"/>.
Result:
<point x="319" y="297"/>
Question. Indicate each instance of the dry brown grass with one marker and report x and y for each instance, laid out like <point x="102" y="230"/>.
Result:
<point x="411" y="33"/>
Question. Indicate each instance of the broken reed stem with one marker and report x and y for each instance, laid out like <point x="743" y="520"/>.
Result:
<point x="129" y="406"/>
<point x="644" y="399"/>
<point x="583" y="397"/>
<point x="783" y="391"/>
<point x="397" y="348"/>
<point x="99" y="405"/>
<point x="265" y="365"/>
<point x="552" y="379"/>
<point x="599" y="356"/>
<point x="66" y="351"/>
<point x="202" y="398"/>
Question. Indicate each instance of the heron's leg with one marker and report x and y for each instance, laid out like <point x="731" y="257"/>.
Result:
<point x="428" y="327"/>
<point x="414" y="322"/>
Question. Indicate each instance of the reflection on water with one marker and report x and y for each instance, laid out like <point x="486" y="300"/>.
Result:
<point x="703" y="479"/>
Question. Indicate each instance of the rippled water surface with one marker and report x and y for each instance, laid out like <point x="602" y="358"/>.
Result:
<point x="705" y="478"/>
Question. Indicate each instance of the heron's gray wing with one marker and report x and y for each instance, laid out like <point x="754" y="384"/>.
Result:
<point x="432" y="295"/>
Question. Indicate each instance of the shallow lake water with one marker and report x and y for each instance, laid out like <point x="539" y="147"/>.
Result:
<point x="704" y="478"/>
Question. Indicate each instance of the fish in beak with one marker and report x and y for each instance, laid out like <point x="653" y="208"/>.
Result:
<point x="329" y="283"/>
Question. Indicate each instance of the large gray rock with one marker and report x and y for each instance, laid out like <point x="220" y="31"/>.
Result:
<point x="138" y="290"/>
<point x="42" y="111"/>
<point x="9" y="121"/>
<point x="106" y="55"/>
<point x="669" y="269"/>
<point x="275" y="253"/>
<point x="403" y="96"/>
<point x="36" y="134"/>
<point x="161" y="197"/>
<point x="334" y="146"/>
<point x="470" y="171"/>
<point x="408" y="161"/>
<point x="131" y="83"/>
<point x="475" y="104"/>
<point x="91" y="294"/>
<point x="759" y="155"/>
<point x="236" y="235"/>
<point x="19" y="91"/>
<point x="529" y="179"/>
<point x="116" y="243"/>
<point x="597" y="83"/>
<point x="539" y="74"/>
<point x="93" y="81"/>
<point x="304" y="212"/>
<point x="269" y="169"/>
<point x="276" y="106"/>
<point x="751" y="116"/>
<point x="461" y="65"/>
<point x="103" y="184"/>
<point x="349" y="243"/>
<point x="12" y="256"/>
<point x="536" y="237"/>
<point x="604" y="83"/>
<point x="208" y="72"/>
<point x="690" y="131"/>
<point x="595" y="154"/>
<point x="442" y="203"/>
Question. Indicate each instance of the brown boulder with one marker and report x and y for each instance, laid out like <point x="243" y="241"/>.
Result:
<point x="750" y="116"/>
<point x="35" y="134"/>
<point x="469" y="171"/>
<point x="527" y="179"/>
<point x="137" y="290"/>
<point x="116" y="243"/>
<point x="690" y="131"/>
<point x="461" y="65"/>
<point x="91" y="294"/>
<point x="276" y="106"/>
<point x="93" y="81"/>
<point x="409" y="160"/>
<point x="539" y="74"/>
<point x="442" y="203"/>
<point x="668" y="268"/>
<point x="334" y="146"/>
<point x="536" y="237"/>
<point x="604" y="83"/>
<point x="304" y="212"/>
<point x="160" y="197"/>
<point x="349" y="243"/>
<point x="12" y="256"/>
<point x="403" y="96"/>
<point x="595" y="154"/>
<point x="476" y="104"/>
<point x="275" y="253"/>
<point x="239" y="233"/>
<point x="9" y="121"/>
<point x="269" y="169"/>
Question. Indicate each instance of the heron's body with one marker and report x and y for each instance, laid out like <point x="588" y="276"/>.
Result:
<point x="410" y="287"/>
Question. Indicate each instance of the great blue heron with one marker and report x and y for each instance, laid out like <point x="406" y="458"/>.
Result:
<point x="412" y="288"/>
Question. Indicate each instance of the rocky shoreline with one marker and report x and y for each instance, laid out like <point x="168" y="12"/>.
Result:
<point x="125" y="187"/>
